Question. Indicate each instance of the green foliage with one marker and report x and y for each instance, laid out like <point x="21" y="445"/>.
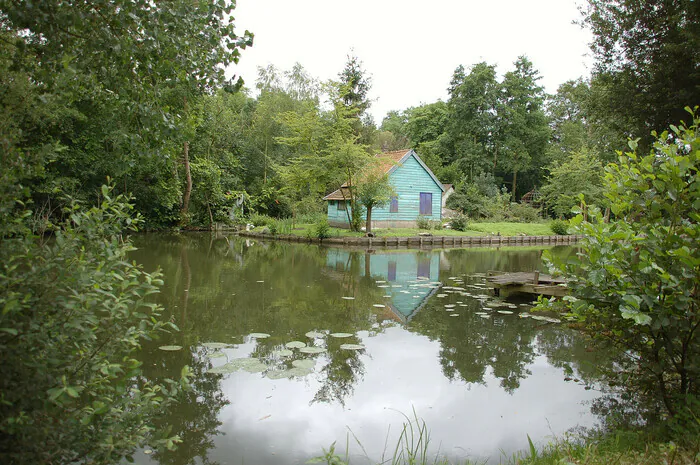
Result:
<point x="75" y="310"/>
<point x="423" y="222"/>
<point x="582" y="173"/>
<point x="260" y="220"/>
<point x="636" y="282"/>
<point x="644" y="45"/>
<point x="560" y="227"/>
<point x="323" y="229"/>
<point x="459" y="222"/>
<point x="524" y="212"/>
<point x="373" y="190"/>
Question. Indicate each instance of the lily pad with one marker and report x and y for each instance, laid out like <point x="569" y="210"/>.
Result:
<point x="278" y="374"/>
<point x="485" y="316"/>
<point x="505" y="312"/>
<point x="259" y="335"/>
<point x="257" y="368"/>
<point x="238" y="363"/>
<point x="450" y="306"/>
<point x="454" y="314"/>
<point x="348" y="298"/>
<point x="304" y="363"/>
<point x="314" y="334"/>
<point x="217" y="355"/>
<point x="221" y="370"/>
<point x="379" y="305"/>
<point x="295" y="345"/>
<point x="283" y="353"/>
<point x="170" y="348"/>
<point x="215" y="345"/>
<point x="352" y="346"/>
<point x="341" y="334"/>
<point x="312" y="350"/>
<point x="296" y="371"/>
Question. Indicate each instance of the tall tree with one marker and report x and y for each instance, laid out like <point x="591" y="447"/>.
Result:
<point x="473" y="120"/>
<point x="524" y="131"/>
<point x="648" y="57"/>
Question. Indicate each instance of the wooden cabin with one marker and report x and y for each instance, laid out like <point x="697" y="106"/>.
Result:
<point x="418" y="193"/>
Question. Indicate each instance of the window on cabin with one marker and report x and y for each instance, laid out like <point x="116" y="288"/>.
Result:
<point x="426" y="203"/>
<point x="341" y="205"/>
<point x="394" y="207"/>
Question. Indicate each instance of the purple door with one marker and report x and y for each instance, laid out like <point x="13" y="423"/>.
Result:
<point x="426" y="203"/>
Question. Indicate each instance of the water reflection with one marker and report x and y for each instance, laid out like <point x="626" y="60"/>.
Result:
<point x="481" y="382"/>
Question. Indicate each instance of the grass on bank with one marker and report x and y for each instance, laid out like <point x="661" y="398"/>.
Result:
<point x="474" y="229"/>
<point x="618" y="448"/>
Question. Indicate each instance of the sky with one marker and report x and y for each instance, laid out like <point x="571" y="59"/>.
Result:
<point x="411" y="48"/>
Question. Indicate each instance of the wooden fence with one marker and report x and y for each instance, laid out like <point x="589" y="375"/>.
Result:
<point x="424" y="241"/>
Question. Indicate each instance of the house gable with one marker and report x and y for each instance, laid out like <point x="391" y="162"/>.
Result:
<point x="418" y="193"/>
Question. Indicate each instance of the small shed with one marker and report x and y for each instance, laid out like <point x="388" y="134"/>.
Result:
<point x="418" y="194"/>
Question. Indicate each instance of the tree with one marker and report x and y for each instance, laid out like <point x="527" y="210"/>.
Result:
<point x="637" y="279"/>
<point x="524" y="131"/>
<point x="648" y="58"/>
<point x="119" y="103"/>
<point x="373" y="190"/>
<point x="581" y="174"/>
<point x="473" y="119"/>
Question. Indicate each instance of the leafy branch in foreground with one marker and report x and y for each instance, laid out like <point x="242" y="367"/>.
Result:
<point x="637" y="280"/>
<point x="74" y="311"/>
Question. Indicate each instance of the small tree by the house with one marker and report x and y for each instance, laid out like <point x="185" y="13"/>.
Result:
<point x="373" y="190"/>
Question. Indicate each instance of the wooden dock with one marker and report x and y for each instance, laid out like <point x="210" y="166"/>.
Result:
<point x="532" y="282"/>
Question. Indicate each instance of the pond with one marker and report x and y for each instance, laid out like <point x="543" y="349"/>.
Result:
<point x="380" y="336"/>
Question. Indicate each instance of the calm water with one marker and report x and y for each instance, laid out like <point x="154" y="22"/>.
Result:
<point x="482" y="383"/>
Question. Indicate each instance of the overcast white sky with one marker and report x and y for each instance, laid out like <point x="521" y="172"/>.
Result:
<point x="411" y="48"/>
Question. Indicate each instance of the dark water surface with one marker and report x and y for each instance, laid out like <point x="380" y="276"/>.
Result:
<point x="482" y="383"/>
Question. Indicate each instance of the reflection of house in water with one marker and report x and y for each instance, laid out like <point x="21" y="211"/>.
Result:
<point x="408" y="275"/>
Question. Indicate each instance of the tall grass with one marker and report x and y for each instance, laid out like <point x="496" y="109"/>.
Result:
<point x="411" y="448"/>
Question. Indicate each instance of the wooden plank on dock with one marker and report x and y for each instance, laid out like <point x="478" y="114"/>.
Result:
<point x="532" y="282"/>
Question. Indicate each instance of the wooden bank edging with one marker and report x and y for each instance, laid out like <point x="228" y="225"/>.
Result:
<point x="423" y="241"/>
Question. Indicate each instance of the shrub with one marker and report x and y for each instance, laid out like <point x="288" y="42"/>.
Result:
<point x="459" y="222"/>
<point x="424" y="223"/>
<point x="273" y="226"/>
<point x="323" y="229"/>
<point x="260" y="220"/>
<point x="559" y="227"/>
<point x="635" y="283"/>
<point x="75" y="310"/>
<point x="524" y="213"/>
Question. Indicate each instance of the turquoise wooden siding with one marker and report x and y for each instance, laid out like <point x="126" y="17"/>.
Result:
<point x="411" y="270"/>
<point x="409" y="180"/>
<point x="335" y="215"/>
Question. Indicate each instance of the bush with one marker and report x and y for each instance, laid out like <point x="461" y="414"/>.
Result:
<point x="635" y="283"/>
<point x="423" y="223"/>
<point x="523" y="212"/>
<point x="273" y="227"/>
<point x="260" y="220"/>
<point x="75" y="310"/>
<point x="559" y="227"/>
<point x="323" y="229"/>
<point x="459" y="222"/>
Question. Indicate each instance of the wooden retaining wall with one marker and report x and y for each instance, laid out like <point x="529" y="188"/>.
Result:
<point x="424" y="241"/>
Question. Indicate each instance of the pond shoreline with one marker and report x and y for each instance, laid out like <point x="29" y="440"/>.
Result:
<point x="420" y="242"/>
